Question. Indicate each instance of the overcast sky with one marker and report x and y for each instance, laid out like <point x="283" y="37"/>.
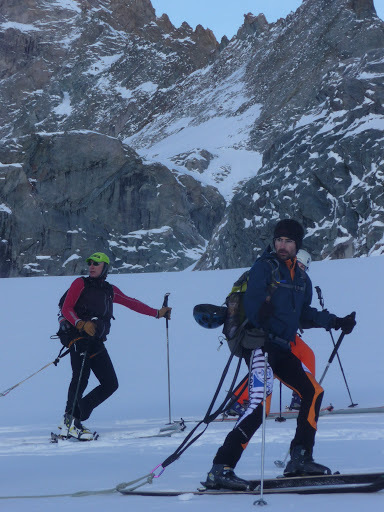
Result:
<point x="226" y="16"/>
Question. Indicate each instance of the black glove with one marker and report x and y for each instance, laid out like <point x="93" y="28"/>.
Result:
<point x="346" y="324"/>
<point x="265" y="312"/>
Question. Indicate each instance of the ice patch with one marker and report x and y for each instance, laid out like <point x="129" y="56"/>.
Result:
<point x="4" y="208"/>
<point x="72" y="5"/>
<point x="64" y="109"/>
<point x="23" y="27"/>
<point x="103" y="63"/>
<point x="71" y="258"/>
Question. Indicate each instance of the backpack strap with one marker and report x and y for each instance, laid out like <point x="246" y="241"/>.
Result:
<point x="63" y="297"/>
<point x="276" y="278"/>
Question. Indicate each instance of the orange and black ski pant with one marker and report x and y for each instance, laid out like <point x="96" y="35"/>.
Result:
<point x="289" y="369"/>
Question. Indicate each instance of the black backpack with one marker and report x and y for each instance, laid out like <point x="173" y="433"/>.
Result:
<point x="236" y="318"/>
<point x="67" y="333"/>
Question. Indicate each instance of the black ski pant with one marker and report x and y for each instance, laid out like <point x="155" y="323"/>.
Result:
<point x="287" y="368"/>
<point x="101" y="365"/>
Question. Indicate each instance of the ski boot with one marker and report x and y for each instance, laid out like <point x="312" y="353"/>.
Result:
<point x="295" y="402"/>
<point x="72" y="427"/>
<point x="223" y="477"/>
<point x="238" y="409"/>
<point x="302" y="464"/>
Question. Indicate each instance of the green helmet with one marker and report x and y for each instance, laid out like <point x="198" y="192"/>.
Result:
<point x="99" y="257"/>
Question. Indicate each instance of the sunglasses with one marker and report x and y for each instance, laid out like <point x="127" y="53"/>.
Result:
<point x="94" y="263"/>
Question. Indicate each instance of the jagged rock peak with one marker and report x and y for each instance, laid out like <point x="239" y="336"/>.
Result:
<point x="205" y="36"/>
<point x="252" y="25"/>
<point x="133" y="14"/>
<point x="223" y="43"/>
<point x="185" y="26"/>
<point x="362" y="8"/>
<point x="165" y="23"/>
<point x="259" y="20"/>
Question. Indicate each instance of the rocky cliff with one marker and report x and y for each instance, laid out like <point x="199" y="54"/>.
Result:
<point x="320" y="81"/>
<point x="162" y="147"/>
<point x="69" y="193"/>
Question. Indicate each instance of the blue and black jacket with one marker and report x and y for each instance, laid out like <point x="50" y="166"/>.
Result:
<point x="291" y="299"/>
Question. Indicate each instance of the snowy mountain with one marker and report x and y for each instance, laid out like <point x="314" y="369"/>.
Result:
<point x="31" y="466"/>
<point x="166" y="149"/>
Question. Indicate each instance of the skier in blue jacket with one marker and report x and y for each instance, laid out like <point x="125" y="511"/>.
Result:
<point x="277" y="300"/>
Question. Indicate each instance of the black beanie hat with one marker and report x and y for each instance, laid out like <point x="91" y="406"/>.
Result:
<point x="291" y="229"/>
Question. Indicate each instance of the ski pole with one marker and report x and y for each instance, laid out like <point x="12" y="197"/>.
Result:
<point x="55" y="362"/>
<point x="282" y="463"/>
<point x="261" y="501"/>
<point x="280" y="418"/>
<point x="4" y="393"/>
<point x="321" y="300"/>
<point x="165" y="305"/>
<point x="334" y="352"/>
<point x="77" y="389"/>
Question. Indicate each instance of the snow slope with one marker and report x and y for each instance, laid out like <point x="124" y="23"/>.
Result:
<point x="33" y="467"/>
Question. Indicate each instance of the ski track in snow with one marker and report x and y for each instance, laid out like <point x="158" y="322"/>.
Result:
<point x="121" y="442"/>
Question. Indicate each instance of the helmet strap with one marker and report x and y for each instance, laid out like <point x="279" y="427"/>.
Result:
<point x="104" y="272"/>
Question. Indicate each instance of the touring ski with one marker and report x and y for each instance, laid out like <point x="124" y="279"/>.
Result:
<point x="169" y="429"/>
<point x="323" y="484"/>
<point x="177" y="426"/>
<point x="55" y="438"/>
<point x="329" y="410"/>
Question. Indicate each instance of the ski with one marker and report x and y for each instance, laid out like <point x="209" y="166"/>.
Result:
<point x="55" y="438"/>
<point x="358" y="410"/>
<point x="288" y="414"/>
<point x="320" y="480"/>
<point x="330" y="410"/>
<point x="168" y="430"/>
<point x="292" y="414"/>
<point x="178" y="426"/>
<point x="174" y="428"/>
<point x="168" y="433"/>
<point x="323" y="484"/>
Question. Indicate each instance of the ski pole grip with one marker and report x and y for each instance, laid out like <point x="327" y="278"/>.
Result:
<point x="320" y="296"/>
<point x="165" y="305"/>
